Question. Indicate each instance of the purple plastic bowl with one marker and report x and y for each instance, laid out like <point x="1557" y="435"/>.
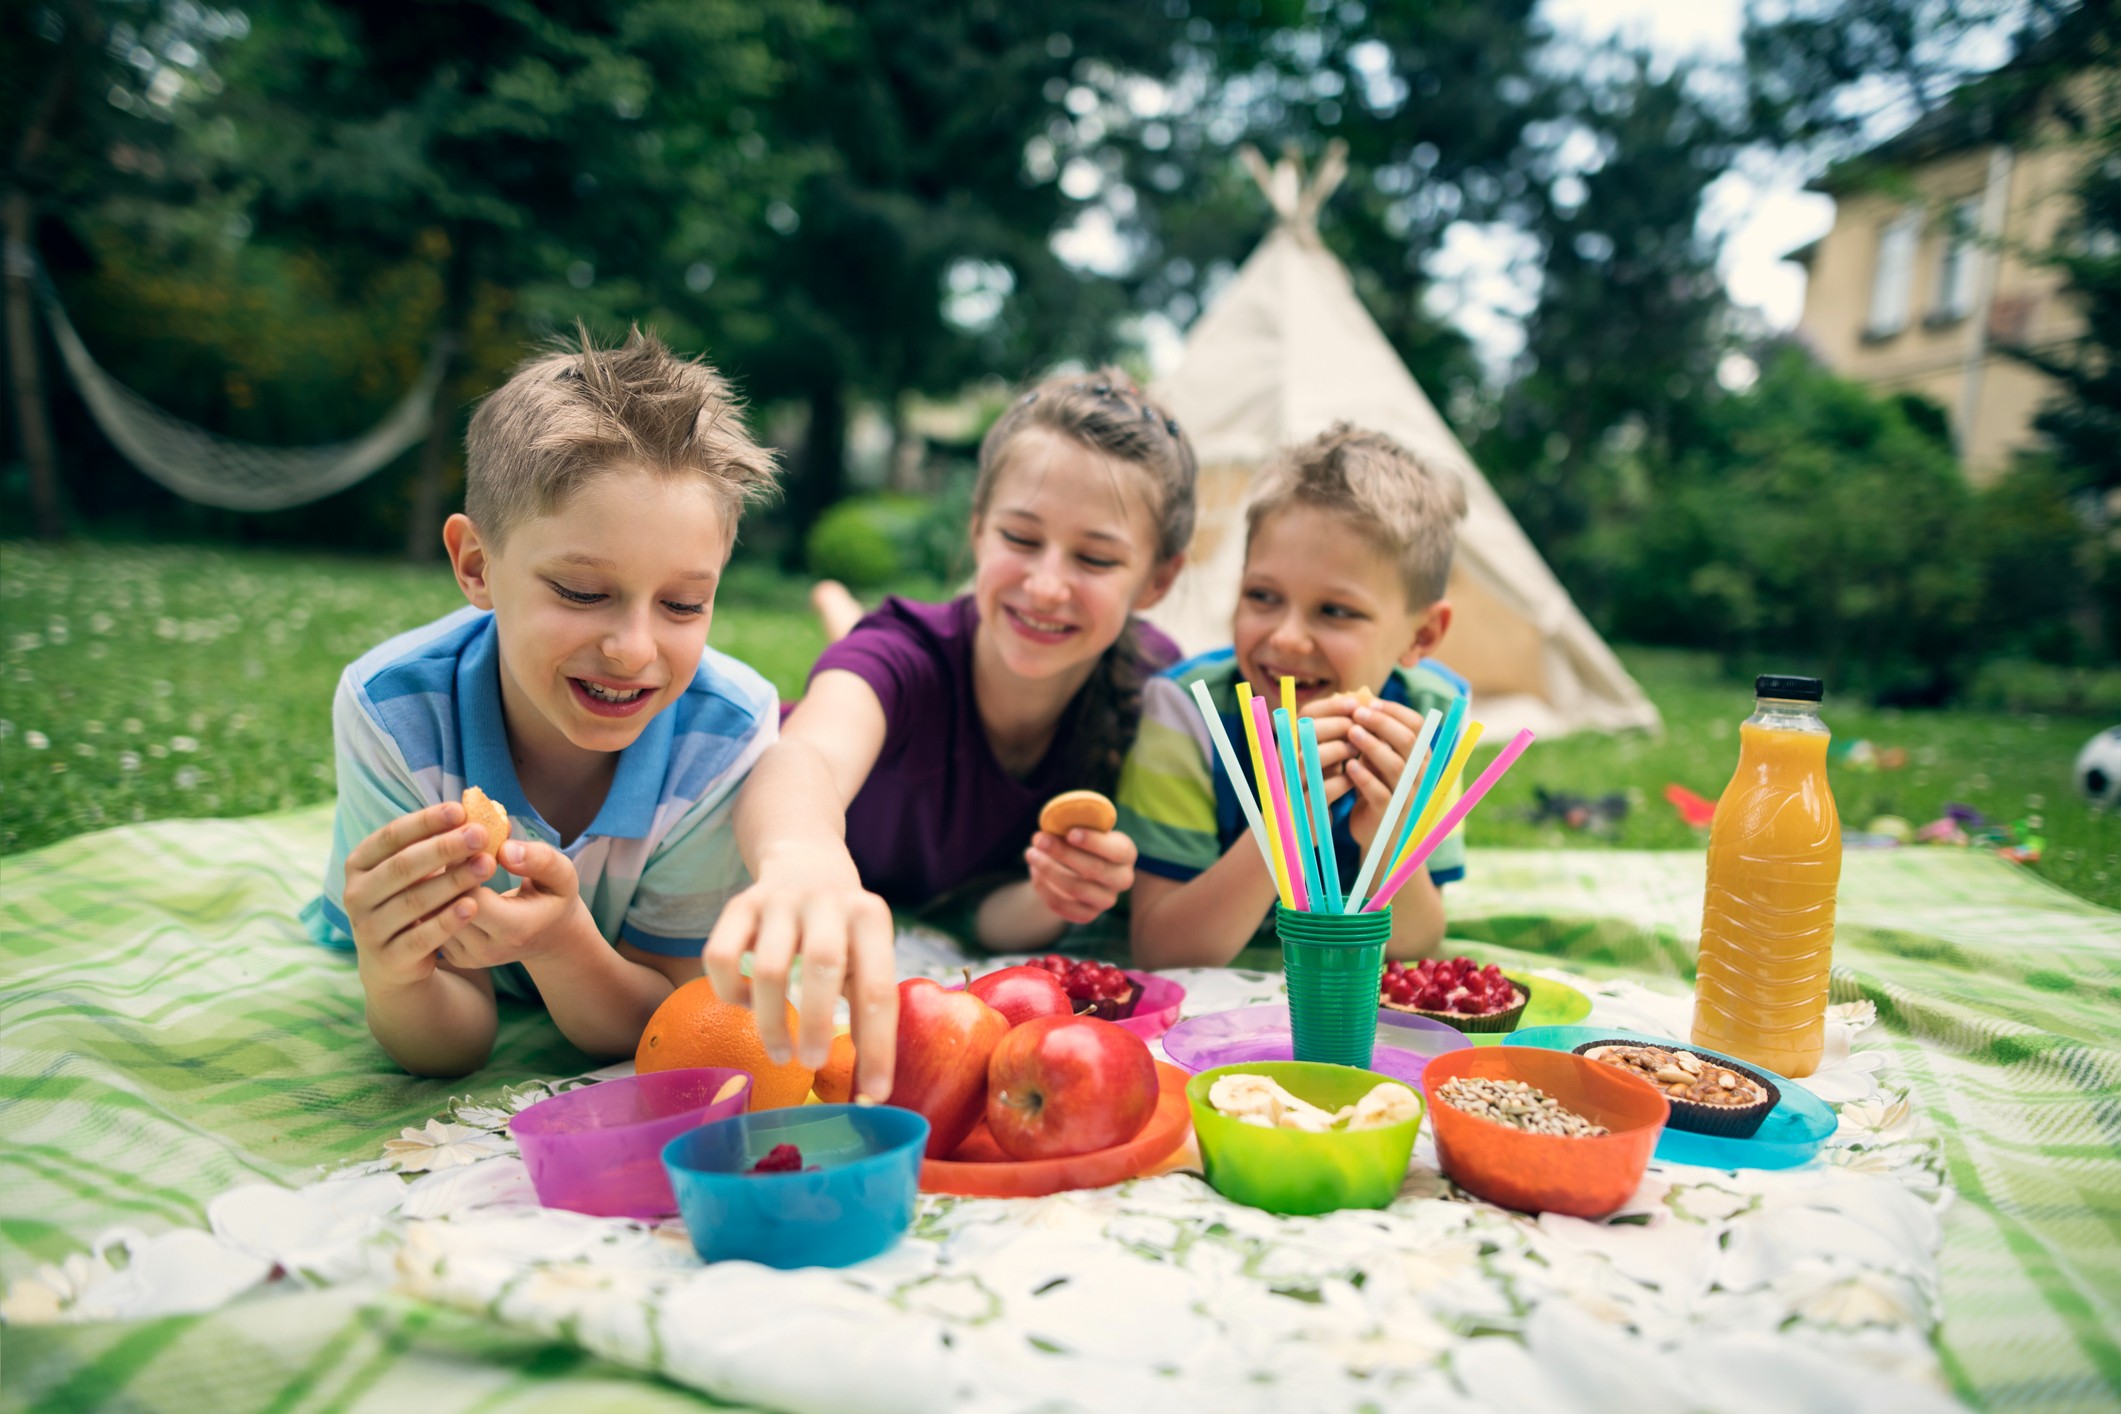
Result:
<point x="599" y="1149"/>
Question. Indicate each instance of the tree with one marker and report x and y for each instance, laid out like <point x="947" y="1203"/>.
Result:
<point x="89" y="95"/>
<point x="1631" y="318"/>
<point x="529" y="155"/>
<point x="916" y="254"/>
<point x="2082" y="423"/>
<point x="1832" y="76"/>
<point x="1433" y="100"/>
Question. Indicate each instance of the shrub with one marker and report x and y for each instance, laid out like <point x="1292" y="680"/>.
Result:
<point x="862" y="541"/>
<point x="1809" y="524"/>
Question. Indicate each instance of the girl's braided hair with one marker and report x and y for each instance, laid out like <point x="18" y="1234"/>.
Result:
<point x="1106" y="412"/>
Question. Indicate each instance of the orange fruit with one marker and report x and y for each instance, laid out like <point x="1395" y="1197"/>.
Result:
<point x="694" y="1027"/>
<point x="835" y="1081"/>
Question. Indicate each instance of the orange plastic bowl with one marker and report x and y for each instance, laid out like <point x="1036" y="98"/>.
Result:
<point x="1546" y="1173"/>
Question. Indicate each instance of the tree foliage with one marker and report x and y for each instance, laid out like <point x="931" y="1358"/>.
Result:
<point x="1631" y="318"/>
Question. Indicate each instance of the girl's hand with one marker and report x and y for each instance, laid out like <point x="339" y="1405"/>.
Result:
<point x="519" y="925"/>
<point x="408" y="890"/>
<point x="1080" y="877"/>
<point x="819" y="911"/>
<point x="1381" y="736"/>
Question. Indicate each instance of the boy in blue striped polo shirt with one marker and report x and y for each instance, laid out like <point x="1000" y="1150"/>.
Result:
<point x="603" y="492"/>
<point x="1348" y="546"/>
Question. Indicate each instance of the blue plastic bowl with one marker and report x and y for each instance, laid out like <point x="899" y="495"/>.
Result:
<point x="855" y="1205"/>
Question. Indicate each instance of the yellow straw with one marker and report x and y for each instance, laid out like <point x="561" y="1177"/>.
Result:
<point x="1259" y="775"/>
<point x="1296" y="801"/>
<point x="1441" y="796"/>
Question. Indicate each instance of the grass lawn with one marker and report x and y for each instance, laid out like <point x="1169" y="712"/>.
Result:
<point x="143" y="682"/>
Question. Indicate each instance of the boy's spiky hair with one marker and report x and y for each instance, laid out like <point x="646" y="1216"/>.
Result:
<point x="570" y="414"/>
<point x="1407" y="508"/>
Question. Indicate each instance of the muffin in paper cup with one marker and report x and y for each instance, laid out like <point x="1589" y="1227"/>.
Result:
<point x="1683" y="1075"/>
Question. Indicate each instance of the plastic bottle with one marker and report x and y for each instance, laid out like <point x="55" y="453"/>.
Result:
<point x="1767" y="921"/>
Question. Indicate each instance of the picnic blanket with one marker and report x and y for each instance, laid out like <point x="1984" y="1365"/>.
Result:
<point x="167" y="1037"/>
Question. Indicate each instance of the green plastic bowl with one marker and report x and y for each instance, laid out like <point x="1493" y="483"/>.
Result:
<point x="1292" y="1172"/>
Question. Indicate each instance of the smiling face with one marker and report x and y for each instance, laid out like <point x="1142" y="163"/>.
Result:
<point x="602" y="607"/>
<point x="1066" y="550"/>
<point x="1321" y="603"/>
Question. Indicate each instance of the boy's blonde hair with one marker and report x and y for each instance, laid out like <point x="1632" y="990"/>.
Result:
<point x="1405" y="507"/>
<point x="567" y="416"/>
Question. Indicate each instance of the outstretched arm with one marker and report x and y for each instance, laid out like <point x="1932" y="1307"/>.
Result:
<point x="808" y="899"/>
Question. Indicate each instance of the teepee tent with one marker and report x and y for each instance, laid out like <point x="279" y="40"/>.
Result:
<point x="1286" y="351"/>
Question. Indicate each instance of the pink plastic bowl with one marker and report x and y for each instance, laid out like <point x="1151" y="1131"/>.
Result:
<point x="1157" y="1007"/>
<point x="599" y="1149"/>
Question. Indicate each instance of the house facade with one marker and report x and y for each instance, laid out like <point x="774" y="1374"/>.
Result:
<point x="1930" y="270"/>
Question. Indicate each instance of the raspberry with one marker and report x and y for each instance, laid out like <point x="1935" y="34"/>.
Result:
<point x="781" y="1160"/>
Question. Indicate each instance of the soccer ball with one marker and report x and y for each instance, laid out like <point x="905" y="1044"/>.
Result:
<point x="2099" y="769"/>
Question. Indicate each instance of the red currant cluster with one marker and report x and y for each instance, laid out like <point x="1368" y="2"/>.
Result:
<point x="782" y="1158"/>
<point x="1457" y="985"/>
<point x="1101" y="985"/>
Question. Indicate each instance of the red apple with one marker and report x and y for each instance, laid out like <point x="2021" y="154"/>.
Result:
<point x="1023" y="994"/>
<point x="1065" y="1085"/>
<point x="945" y="1040"/>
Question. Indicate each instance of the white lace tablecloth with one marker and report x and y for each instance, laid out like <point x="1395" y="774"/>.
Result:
<point x="1809" y="1289"/>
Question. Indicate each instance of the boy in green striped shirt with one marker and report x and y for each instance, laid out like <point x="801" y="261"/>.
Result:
<point x="1347" y="554"/>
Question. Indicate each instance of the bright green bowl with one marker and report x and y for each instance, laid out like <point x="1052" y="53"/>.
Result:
<point x="1292" y="1172"/>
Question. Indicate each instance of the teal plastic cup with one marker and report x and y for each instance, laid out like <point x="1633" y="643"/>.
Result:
<point x="1333" y="963"/>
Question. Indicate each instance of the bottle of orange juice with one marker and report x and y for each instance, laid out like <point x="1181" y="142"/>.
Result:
<point x="1767" y="923"/>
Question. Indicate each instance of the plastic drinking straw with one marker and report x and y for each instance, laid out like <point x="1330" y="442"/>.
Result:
<point x="1445" y="743"/>
<point x="1238" y="782"/>
<point x="1276" y="863"/>
<point x="1277" y="785"/>
<point x="1458" y="812"/>
<point x="1321" y="817"/>
<point x="1440" y="797"/>
<point x="1292" y="769"/>
<point x="1414" y="768"/>
<point x="1288" y="697"/>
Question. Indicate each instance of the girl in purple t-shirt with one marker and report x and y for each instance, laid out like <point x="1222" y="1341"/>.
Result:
<point x="930" y="735"/>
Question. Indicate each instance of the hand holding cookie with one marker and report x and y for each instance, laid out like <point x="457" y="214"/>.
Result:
<point x="1080" y="864"/>
<point x="1381" y="737"/>
<point x="408" y="890"/>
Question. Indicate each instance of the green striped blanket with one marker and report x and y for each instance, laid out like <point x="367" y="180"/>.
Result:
<point x="166" y="1034"/>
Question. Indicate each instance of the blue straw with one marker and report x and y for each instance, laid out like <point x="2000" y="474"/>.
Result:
<point x="1440" y="750"/>
<point x="1321" y="818"/>
<point x="1293" y="773"/>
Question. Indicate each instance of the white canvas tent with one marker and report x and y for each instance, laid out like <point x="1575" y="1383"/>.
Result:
<point x="1286" y="351"/>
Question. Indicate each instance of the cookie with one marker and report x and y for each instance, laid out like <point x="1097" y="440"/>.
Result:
<point x="1364" y="697"/>
<point x="1077" y="808"/>
<point x="479" y="810"/>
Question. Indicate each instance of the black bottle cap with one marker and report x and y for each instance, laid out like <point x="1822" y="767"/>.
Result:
<point x="1788" y="689"/>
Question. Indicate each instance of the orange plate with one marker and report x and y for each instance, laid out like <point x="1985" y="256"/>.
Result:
<point x="979" y="1169"/>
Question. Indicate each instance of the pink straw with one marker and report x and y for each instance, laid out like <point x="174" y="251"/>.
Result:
<point x="1449" y="822"/>
<point x="1280" y="792"/>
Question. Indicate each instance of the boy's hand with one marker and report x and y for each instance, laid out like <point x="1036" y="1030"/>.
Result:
<point x="1381" y="736"/>
<point x="1080" y="877"/>
<point x="520" y="924"/>
<point x="1333" y="718"/>
<point x="818" y="910"/>
<point x="407" y="891"/>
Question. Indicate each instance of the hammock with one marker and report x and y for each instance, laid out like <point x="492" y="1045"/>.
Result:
<point x="217" y="471"/>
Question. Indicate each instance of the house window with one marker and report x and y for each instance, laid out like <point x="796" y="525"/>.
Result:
<point x="1892" y="284"/>
<point x="1956" y="264"/>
